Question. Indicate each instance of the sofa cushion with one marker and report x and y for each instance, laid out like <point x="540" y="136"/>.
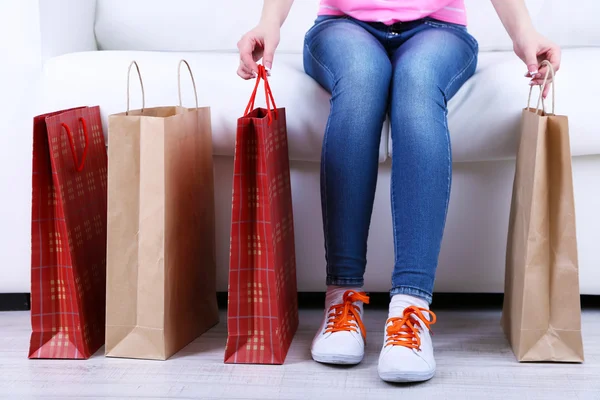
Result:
<point x="484" y="116"/>
<point x="99" y="78"/>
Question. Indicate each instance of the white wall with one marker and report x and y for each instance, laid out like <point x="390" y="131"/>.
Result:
<point x="20" y="66"/>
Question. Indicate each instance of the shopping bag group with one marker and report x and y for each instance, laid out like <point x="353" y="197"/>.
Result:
<point x="124" y="243"/>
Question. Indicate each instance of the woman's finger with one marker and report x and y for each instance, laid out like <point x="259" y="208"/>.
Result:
<point x="245" y="72"/>
<point x="546" y="91"/>
<point x="540" y="82"/>
<point x="246" y="47"/>
<point x="534" y="75"/>
<point x="543" y="72"/>
<point x="244" y="75"/>
<point x="540" y="74"/>
<point x="554" y="57"/>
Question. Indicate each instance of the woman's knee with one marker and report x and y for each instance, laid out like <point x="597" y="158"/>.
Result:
<point x="364" y="79"/>
<point x="415" y="83"/>
<point x="418" y="111"/>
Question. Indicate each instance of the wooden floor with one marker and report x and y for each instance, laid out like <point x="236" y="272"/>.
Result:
<point x="474" y="362"/>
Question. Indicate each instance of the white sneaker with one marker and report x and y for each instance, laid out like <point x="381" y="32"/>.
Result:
<point x="341" y="339"/>
<point x="407" y="354"/>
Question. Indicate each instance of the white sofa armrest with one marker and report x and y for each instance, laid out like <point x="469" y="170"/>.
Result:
<point x="66" y="26"/>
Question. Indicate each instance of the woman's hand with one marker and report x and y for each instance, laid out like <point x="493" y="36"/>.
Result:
<point x="260" y="42"/>
<point x="534" y="48"/>
<point x="529" y="45"/>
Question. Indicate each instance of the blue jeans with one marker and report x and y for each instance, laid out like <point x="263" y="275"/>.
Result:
<point x="409" y="71"/>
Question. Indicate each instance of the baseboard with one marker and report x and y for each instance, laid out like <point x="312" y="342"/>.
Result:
<point x="15" y="302"/>
<point x="441" y="301"/>
<point x="479" y="301"/>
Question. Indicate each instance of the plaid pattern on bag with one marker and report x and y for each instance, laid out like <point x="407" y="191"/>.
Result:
<point x="68" y="235"/>
<point x="263" y="309"/>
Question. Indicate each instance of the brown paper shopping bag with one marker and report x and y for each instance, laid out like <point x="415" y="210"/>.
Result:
<point x="161" y="283"/>
<point x="542" y="312"/>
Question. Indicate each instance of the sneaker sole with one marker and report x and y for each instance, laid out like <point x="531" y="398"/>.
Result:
<point x="337" y="359"/>
<point x="405" y="377"/>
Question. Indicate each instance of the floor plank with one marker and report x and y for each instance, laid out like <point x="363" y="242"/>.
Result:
<point x="474" y="362"/>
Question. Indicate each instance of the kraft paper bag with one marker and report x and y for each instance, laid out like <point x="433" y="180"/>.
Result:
<point x="542" y="311"/>
<point x="161" y="262"/>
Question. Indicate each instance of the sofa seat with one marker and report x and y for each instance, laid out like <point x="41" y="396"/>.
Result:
<point x="483" y="124"/>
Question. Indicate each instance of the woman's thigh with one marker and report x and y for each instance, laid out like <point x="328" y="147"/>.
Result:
<point x="340" y="54"/>
<point x="435" y="62"/>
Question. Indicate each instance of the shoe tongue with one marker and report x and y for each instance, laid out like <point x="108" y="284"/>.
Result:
<point x="400" y="302"/>
<point x="397" y="311"/>
<point x="335" y="295"/>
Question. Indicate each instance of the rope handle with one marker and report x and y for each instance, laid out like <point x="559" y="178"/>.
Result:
<point x="137" y="67"/>
<point x="549" y="74"/>
<point x="78" y="166"/>
<point x="262" y="75"/>
<point x="179" y="82"/>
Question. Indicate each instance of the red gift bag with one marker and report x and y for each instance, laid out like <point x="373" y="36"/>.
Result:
<point x="263" y="305"/>
<point x="68" y="235"/>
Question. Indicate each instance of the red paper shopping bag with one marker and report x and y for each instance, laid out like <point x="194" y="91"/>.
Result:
<point x="68" y="235"/>
<point x="263" y="307"/>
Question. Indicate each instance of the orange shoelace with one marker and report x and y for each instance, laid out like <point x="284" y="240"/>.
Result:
<point x="342" y="317"/>
<point x="404" y="331"/>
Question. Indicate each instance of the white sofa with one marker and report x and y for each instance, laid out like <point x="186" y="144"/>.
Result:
<point x="86" y="46"/>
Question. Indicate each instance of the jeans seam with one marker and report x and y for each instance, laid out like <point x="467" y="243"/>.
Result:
<point x="325" y="197"/>
<point x="410" y="287"/>
<point x="461" y="73"/>
<point x="394" y="223"/>
<point x="324" y="158"/>
<point x="449" y="154"/>
<point x="331" y="75"/>
<point x="413" y="290"/>
<point x="345" y="282"/>
<point x="448" y="140"/>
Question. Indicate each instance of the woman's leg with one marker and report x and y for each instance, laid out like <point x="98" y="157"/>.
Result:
<point x="429" y="68"/>
<point x="353" y="66"/>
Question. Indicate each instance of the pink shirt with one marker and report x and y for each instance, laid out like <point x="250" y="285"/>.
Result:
<point x="392" y="11"/>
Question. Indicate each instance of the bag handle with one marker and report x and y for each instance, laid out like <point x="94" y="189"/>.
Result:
<point x="549" y="74"/>
<point x="137" y="67"/>
<point x="179" y="82"/>
<point x="262" y="74"/>
<point x="78" y="166"/>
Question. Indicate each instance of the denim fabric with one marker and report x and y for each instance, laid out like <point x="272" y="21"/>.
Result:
<point x="408" y="71"/>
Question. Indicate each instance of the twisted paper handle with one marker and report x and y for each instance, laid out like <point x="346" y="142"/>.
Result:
<point x="549" y="74"/>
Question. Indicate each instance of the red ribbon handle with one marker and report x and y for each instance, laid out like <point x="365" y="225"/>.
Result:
<point x="262" y="74"/>
<point x="78" y="166"/>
